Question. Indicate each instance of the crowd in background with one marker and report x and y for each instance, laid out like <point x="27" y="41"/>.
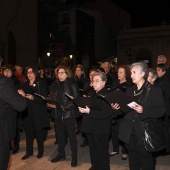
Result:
<point x="97" y="125"/>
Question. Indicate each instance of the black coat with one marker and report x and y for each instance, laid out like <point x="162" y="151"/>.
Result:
<point x="70" y="87"/>
<point x="10" y="103"/>
<point x="36" y="108"/>
<point x="153" y="107"/>
<point x="98" y="121"/>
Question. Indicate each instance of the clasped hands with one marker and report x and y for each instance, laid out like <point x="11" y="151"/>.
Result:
<point x="84" y="110"/>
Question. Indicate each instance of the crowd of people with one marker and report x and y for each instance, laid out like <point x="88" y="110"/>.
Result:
<point x="23" y="109"/>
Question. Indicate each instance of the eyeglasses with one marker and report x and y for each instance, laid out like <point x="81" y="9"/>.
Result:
<point x="30" y="72"/>
<point x="61" y="73"/>
<point x="96" y="81"/>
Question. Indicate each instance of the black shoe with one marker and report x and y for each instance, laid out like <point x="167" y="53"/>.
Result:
<point x="26" y="156"/>
<point x="74" y="162"/>
<point x="58" y="158"/>
<point x="83" y="145"/>
<point x="39" y="155"/>
<point x="15" y="150"/>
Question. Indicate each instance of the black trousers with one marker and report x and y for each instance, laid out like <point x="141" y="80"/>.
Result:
<point x="30" y="135"/>
<point x="64" y="127"/>
<point x="139" y="159"/>
<point x="99" y="151"/>
<point x="116" y="142"/>
<point x="4" y="155"/>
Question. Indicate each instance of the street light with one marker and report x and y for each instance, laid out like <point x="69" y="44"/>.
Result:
<point x="48" y="54"/>
<point x="71" y="56"/>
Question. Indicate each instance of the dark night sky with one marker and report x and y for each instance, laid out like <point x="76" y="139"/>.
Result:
<point x="146" y="12"/>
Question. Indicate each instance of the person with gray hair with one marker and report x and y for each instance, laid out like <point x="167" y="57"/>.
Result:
<point x="96" y="124"/>
<point x="147" y="106"/>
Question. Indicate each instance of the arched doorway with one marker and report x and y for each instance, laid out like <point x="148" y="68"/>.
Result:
<point x="11" y="49"/>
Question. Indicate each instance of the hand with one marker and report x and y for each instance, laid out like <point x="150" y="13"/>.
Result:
<point x="51" y="105"/>
<point x="84" y="110"/>
<point x="138" y="108"/>
<point x="29" y="96"/>
<point x="115" y="106"/>
<point x="21" y="92"/>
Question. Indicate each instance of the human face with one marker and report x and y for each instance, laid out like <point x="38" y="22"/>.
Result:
<point x="62" y="74"/>
<point x="106" y="68"/>
<point x="78" y="72"/>
<point x="137" y="75"/>
<point x="97" y="83"/>
<point x="150" y="78"/>
<point x="30" y="74"/>
<point x="160" y="60"/>
<point x="160" y="72"/>
<point x="7" y="73"/>
<point x="121" y="74"/>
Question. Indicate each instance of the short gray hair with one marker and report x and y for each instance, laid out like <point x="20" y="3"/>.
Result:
<point x="143" y="67"/>
<point x="101" y="74"/>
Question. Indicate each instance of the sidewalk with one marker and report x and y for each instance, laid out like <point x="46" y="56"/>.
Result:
<point x="116" y="163"/>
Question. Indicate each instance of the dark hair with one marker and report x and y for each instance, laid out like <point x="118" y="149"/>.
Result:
<point x="154" y="72"/>
<point x="163" y="67"/>
<point x="126" y="68"/>
<point x="82" y="69"/>
<point x="8" y="66"/>
<point x="34" y="70"/>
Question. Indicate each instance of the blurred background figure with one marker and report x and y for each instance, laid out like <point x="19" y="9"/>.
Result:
<point x="164" y="83"/>
<point x="162" y="59"/>
<point x="152" y="76"/>
<point x="83" y="84"/>
<point x="19" y="73"/>
<point x="111" y="76"/>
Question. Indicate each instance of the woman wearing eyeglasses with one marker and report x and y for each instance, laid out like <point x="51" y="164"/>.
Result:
<point x="96" y="124"/>
<point x="35" y="118"/>
<point x="64" y="116"/>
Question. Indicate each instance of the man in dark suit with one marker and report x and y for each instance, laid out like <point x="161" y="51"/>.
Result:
<point x="10" y="103"/>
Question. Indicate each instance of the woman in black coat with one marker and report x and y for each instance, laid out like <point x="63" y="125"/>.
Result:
<point x="64" y="113"/>
<point x="122" y="84"/>
<point x="96" y="124"/>
<point x="35" y="118"/>
<point x="151" y="106"/>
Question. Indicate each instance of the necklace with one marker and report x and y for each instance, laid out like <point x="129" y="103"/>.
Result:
<point x="136" y="94"/>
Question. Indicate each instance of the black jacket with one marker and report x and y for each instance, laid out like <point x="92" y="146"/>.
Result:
<point x="69" y="110"/>
<point x="153" y="107"/>
<point x="36" y="108"/>
<point x="98" y="121"/>
<point x="10" y="103"/>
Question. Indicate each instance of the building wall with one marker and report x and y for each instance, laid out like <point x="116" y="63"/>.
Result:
<point x="19" y="19"/>
<point x="143" y="44"/>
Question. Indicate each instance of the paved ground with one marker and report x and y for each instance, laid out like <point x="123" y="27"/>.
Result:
<point x="163" y="163"/>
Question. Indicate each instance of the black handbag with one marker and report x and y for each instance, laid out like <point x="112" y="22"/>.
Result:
<point x="153" y="135"/>
<point x="153" y="129"/>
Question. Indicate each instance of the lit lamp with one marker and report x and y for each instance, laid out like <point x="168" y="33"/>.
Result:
<point x="48" y="54"/>
<point x="71" y="56"/>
